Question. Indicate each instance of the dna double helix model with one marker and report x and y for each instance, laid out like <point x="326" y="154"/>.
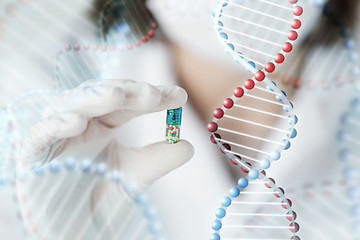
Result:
<point x="257" y="122"/>
<point x="79" y="199"/>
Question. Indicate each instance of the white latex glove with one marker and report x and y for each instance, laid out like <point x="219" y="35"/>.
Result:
<point x="84" y="125"/>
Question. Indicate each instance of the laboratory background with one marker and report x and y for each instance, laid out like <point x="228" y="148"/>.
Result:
<point x="179" y="119"/>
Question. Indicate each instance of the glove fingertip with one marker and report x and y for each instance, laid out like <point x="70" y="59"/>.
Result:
<point x="151" y="162"/>
<point x="180" y="96"/>
<point x="183" y="148"/>
<point x="176" y="97"/>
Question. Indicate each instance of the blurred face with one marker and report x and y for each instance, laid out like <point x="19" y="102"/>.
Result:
<point x="204" y="69"/>
<point x="189" y="24"/>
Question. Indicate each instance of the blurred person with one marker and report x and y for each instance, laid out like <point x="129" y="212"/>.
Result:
<point x="191" y="56"/>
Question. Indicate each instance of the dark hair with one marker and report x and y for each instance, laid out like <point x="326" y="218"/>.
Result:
<point x="343" y="11"/>
<point x="112" y="11"/>
<point x="338" y="16"/>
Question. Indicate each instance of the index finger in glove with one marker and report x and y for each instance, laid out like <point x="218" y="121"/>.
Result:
<point x="138" y="99"/>
<point x="144" y="97"/>
<point x="125" y="98"/>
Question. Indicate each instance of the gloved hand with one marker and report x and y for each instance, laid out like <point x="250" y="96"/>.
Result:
<point x="83" y="122"/>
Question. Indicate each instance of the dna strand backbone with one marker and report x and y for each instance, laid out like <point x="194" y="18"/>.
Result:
<point x="257" y="122"/>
